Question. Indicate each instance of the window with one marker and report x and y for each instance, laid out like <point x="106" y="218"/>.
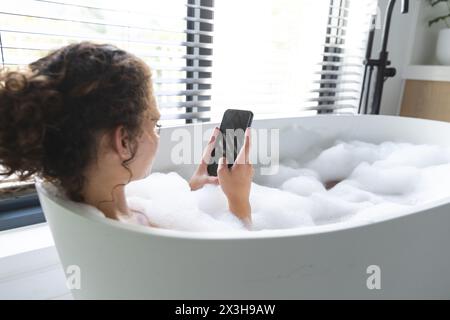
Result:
<point x="172" y="36"/>
<point x="341" y="74"/>
<point x="283" y="57"/>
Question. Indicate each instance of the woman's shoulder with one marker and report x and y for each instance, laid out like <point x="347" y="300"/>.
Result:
<point x="142" y="218"/>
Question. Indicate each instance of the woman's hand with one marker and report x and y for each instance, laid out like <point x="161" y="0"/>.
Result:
<point x="236" y="182"/>
<point x="201" y="177"/>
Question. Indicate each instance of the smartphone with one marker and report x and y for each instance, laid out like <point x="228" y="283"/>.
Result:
<point x="232" y="128"/>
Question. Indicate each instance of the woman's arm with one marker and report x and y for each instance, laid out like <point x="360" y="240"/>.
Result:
<point x="243" y="211"/>
<point x="237" y="181"/>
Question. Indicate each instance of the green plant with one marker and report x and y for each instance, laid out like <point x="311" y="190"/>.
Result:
<point x="443" y="18"/>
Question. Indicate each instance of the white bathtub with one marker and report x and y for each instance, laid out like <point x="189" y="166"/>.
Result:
<point x="411" y="251"/>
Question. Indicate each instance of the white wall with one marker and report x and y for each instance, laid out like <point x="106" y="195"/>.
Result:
<point x="425" y="37"/>
<point x="398" y="47"/>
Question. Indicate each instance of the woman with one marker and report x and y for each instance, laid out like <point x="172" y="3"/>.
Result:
<point x="84" y="117"/>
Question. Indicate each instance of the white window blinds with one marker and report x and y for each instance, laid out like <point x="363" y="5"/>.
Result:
<point x="283" y="57"/>
<point x="341" y="71"/>
<point x="172" y="36"/>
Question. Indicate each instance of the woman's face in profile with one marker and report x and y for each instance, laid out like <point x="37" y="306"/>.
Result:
<point x="148" y="144"/>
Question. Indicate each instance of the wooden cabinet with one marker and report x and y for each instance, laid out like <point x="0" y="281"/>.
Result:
<point x="426" y="99"/>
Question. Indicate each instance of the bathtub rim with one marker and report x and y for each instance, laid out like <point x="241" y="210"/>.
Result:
<point x="238" y="235"/>
<point x="272" y="234"/>
<point x="299" y="116"/>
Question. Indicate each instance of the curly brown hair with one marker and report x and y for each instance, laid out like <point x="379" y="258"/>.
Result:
<point x="50" y="114"/>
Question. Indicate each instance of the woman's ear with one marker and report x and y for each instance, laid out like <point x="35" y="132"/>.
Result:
<point x="121" y="142"/>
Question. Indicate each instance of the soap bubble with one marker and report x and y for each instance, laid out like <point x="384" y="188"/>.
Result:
<point x="366" y="182"/>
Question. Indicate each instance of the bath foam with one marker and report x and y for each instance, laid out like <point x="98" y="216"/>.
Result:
<point x="374" y="181"/>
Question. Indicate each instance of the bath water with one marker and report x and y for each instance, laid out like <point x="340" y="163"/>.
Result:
<point x="370" y="182"/>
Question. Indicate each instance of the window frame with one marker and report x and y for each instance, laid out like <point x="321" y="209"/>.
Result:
<point x="20" y="211"/>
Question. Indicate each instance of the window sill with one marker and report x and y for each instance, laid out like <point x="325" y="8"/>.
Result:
<point x="14" y="218"/>
<point x="25" y="239"/>
<point x="29" y="265"/>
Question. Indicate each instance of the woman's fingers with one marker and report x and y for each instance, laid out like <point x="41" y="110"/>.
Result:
<point x="212" y="180"/>
<point x="206" y="158"/>
<point x="200" y="177"/>
<point x="244" y="155"/>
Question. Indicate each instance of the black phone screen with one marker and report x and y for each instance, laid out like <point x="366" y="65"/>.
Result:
<point x="232" y="128"/>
